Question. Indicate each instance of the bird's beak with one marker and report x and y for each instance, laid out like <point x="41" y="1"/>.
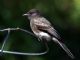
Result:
<point x="25" y="14"/>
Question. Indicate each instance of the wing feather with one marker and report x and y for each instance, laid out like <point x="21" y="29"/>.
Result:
<point x="45" y="25"/>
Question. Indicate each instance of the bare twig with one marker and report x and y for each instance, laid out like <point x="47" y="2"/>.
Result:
<point x="5" y="40"/>
<point x="19" y="53"/>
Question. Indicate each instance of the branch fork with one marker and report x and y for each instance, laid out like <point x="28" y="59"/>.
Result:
<point x="14" y="52"/>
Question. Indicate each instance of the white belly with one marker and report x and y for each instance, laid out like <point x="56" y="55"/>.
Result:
<point x="44" y="34"/>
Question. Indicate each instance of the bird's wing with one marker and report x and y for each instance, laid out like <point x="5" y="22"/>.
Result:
<point x="42" y="22"/>
<point x="44" y="25"/>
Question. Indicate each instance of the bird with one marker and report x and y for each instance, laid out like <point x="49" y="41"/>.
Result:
<point x="43" y="29"/>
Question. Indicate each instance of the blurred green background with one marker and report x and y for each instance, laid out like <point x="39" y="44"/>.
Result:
<point x="64" y="15"/>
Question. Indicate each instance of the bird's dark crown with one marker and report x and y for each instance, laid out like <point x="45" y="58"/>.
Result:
<point x="32" y="13"/>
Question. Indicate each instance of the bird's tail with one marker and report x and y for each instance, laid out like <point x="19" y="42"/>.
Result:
<point x="64" y="47"/>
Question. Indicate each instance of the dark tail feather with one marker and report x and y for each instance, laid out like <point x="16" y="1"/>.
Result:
<point x="64" y="47"/>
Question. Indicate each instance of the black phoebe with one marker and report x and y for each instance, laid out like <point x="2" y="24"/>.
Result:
<point x="43" y="29"/>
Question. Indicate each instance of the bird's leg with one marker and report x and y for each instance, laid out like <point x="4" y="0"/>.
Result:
<point x="39" y="39"/>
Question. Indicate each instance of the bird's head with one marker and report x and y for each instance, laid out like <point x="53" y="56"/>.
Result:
<point x="32" y="13"/>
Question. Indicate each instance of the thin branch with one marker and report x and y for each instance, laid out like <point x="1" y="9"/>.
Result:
<point x="5" y="40"/>
<point x="18" y="29"/>
<point x="9" y="29"/>
<point x="20" y="53"/>
<point x="27" y="32"/>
